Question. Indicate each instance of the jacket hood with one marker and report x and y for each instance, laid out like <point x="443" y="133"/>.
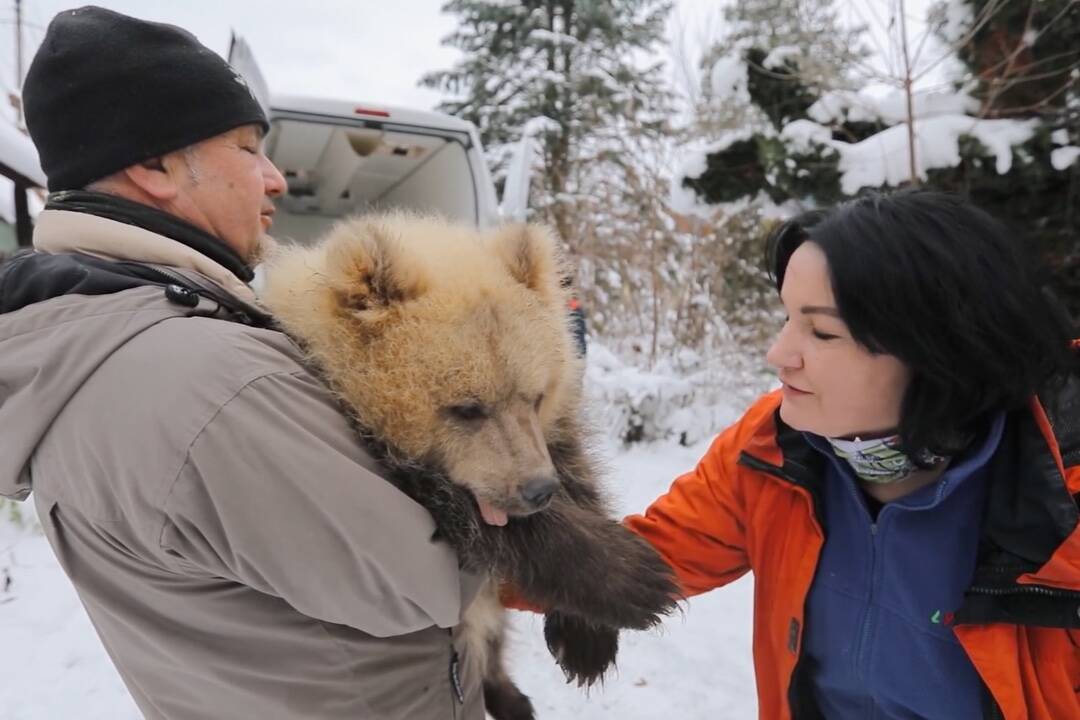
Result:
<point x="47" y="351"/>
<point x="61" y="316"/>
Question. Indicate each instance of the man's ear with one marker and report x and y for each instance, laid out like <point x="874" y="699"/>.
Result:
<point x="158" y="177"/>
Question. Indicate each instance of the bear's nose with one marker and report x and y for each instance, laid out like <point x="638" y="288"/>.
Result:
<point x="538" y="491"/>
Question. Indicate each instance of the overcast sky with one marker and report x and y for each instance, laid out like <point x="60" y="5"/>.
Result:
<point x="372" y="50"/>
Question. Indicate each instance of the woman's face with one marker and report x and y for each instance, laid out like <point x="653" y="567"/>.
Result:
<point x="832" y="385"/>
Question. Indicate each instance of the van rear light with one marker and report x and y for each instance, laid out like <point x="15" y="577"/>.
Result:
<point x="372" y="112"/>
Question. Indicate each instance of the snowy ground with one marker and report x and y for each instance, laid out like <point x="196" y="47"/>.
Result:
<point x="698" y="667"/>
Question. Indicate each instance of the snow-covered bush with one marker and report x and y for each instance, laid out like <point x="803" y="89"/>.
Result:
<point x="685" y="400"/>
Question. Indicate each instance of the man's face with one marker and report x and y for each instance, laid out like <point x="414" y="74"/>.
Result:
<point x="225" y="186"/>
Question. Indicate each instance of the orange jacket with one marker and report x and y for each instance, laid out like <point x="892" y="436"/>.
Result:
<point x="749" y="505"/>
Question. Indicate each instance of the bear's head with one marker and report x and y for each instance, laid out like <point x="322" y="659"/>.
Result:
<point x="452" y="346"/>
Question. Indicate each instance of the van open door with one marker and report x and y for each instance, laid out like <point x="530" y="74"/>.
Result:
<point x="343" y="157"/>
<point x="515" y="197"/>
<point x="514" y="205"/>
<point x="243" y="61"/>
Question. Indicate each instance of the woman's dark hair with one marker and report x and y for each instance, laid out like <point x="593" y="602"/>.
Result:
<point x="950" y="291"/>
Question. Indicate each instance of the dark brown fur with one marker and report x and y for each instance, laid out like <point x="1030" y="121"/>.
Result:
<point x="591" y="573"/>
<point x="502" y="698"/>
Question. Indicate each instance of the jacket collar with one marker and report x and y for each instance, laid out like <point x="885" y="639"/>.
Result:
<point x="1028" y="570"/>
<point x="64" y="231"/>
<point x="159" y="222"/>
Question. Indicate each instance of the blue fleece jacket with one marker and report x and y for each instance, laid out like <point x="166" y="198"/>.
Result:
<point x="878" y="642"/>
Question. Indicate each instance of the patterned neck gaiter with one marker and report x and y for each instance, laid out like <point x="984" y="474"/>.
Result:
<point x="879" y="460"/>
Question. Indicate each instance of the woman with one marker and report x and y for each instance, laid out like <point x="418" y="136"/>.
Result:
<point x="906" y="503"/>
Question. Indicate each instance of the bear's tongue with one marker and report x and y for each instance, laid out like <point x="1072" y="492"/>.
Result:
<point x="491" y="514"/>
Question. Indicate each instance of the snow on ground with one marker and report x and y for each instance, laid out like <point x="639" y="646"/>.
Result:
<point x="52" y="662"/>
<point x="698" y="667"/>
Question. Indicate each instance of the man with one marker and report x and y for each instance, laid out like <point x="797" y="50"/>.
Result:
<point x="233" y="545"/>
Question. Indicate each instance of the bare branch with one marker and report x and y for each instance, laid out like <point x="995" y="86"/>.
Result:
<point x="988" y="12"/>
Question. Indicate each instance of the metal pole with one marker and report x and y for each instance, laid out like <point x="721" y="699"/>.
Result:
<point x="18" y="61"/>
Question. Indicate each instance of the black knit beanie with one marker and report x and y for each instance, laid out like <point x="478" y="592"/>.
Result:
<point x="106" y="91"/>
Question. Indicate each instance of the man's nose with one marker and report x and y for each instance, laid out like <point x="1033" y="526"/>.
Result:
<point x="275" y="182"/>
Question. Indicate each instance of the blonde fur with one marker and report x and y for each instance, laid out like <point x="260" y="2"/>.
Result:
<point x="409" y="315"/>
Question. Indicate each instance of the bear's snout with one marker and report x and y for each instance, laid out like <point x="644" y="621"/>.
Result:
<point x="537" y="492"/>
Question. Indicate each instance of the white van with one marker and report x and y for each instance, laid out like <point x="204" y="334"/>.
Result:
<point x="342" y="157"/>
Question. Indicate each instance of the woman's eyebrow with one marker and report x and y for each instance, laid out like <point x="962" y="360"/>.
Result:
<point x="819" y="310"/>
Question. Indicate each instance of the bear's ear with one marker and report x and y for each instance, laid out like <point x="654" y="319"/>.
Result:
<point x="531" y="253"/>
<point x="368" y="268"/>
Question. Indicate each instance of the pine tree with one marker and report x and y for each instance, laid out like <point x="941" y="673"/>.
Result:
<point x="585" y="66"/>
<point x="810" y="30"/>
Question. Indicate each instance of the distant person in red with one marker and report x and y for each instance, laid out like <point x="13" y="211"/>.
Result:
<point x="577" y="317"/>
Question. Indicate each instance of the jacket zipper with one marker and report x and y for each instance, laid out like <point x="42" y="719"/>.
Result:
<point x="860" y="655"/>
<point x="166" y="276"/>
<point x="862" y="650"/>
<point x="455" y="675"/>
<point x="867" y="626"/>
<point x="796" y="704"/>
<point x="177" y="279"/>
<point x="171" y="278"/>
<point x="757" y="464"/>
<point x="1025" y="590"/>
